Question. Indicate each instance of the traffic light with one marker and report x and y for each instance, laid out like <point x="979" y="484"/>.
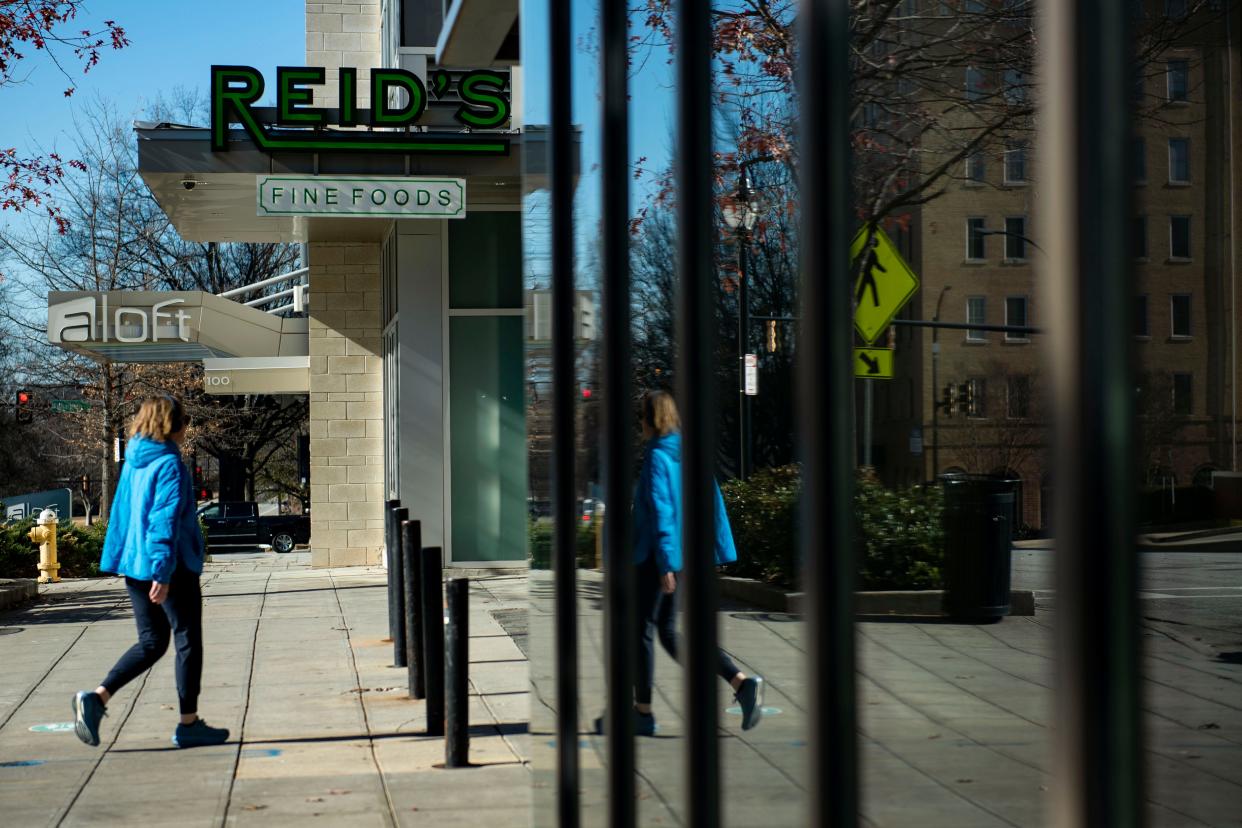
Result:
<point x="85" y="484"/>
<point x="773" y="344"/>
<point x="949" y="400"/>
<point x="22" y="407"/>
<point x="198" y="476"/>
<point x="968" y="392"/>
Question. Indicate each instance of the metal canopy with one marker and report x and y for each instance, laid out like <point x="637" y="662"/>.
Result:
<point x="210" y="196"/>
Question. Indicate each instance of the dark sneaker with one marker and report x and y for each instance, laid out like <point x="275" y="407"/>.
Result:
<point x="199" y="734"/>
<point x="644" y="724"/>
<point x="88" y="709"/>
<point x="750" y="696"/>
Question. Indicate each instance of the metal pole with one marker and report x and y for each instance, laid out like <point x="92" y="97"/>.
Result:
<point x="412" y="549"/>
<point x="619" y="589"/>
<point x="433" y="638"/>
<point x="390" y="543"/>
<point x="743" y="347"/>
<point x="397" y="573"/>
<point x="935" y="359"/>
<point x="457" y="739"/>
<point x="564" y="559"/>
<point x="868" y="411"/>
<point x="826" y="406"/>
<point x="695" y="336"/>
<point x="1085" y="125"/>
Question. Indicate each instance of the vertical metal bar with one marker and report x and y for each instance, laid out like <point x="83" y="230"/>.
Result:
<point x="396" y="572"/>
<point x="433" y="638"/>
<point x="563" y="384"/>
<point x="826" y="406"/>
<point x="617" y="415"/>
<point x="1086" y="64"/>
<point x="695" y="381"/>
<point x="744" y="461"/>
<point x="457" y="675"/>
<point x="411" y="550"/>
<point x="390" y="543"/>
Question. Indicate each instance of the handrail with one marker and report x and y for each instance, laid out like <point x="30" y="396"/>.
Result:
<point x="284" y="277"/>
<point x="263" y="300"/>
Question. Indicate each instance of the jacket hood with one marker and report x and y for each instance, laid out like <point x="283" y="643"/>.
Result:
<point x="143" y="451"/>
<point x="668" y="445"/>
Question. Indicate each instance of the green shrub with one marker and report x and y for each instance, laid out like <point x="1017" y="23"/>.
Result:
<point x="539" y="544"/>
<point x="78" y="550"/>
<point x="899" y="534"/>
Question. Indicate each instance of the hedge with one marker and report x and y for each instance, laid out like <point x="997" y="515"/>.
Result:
<point x="78" y="550"/>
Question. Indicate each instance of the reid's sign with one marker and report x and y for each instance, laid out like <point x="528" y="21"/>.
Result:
<point x="479" y="100"/>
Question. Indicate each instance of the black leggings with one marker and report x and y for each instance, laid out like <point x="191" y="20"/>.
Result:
<point x="181" y="615"/>
<point x="657" y="613"/>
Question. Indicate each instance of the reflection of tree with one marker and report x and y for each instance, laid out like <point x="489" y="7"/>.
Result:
<point x="1158" y="424"/>
<point x="1012" y="437"/>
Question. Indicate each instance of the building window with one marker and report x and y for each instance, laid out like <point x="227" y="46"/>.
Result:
<point x="1015" y="87"/>
<point x="978" y="397"/>
<point x="1140" y="161"/>
<point x="1018" y="397"/>
<point x="1179" y="160"/>
<point x="1176" y="75"/>
<point x="1179" y="308"/>
<point x="1182" y="394"/>
<point x="975" y="167"/>
<point x="1015" y="163"/>
<point x="1179" y="237"/>
<point x="1139" y="237"/>
<point x="1015" y="238"/>
<point x="976" y="314"/>
<point x="1015" y="314"/>
<point x="1175" y="9"/>
<point x="976" y="251"/>
<point x="975" y="84"/>
<point x="1140" y="316"/>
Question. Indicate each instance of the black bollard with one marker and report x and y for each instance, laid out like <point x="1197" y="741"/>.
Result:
<point x="390" y="543"/>
<point x="411" y="550"/>
<point x="433" y="639"/>
<point x="456" y="675"/>
<point x="397" y="596"/>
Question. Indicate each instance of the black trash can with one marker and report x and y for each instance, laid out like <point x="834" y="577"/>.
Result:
<point x="979" y="519"/>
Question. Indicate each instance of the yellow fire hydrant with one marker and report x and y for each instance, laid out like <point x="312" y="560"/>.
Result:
<point x="44" y="534"/>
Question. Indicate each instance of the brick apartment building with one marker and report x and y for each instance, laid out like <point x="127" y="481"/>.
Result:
<point x="976" y="251"/>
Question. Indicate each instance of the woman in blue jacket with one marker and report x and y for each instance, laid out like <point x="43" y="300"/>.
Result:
<point x="657" y="554"/>
<point x="154" y="541"/>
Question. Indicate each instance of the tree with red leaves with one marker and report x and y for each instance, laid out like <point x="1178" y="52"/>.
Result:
<point x="47" y="27"/>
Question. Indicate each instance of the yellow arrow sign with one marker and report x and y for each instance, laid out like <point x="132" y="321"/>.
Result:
<point x="884" y="282"/>
<point x="873" y="363"/>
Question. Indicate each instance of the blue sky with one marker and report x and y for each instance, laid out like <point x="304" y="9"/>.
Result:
<point x="173" y="44"/>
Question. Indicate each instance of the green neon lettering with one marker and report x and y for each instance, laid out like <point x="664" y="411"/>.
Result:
<point x="229" y="100"/>
<point x="294" y="97"/>
<point x="483" y="102"/>
<point x="348" y="96"/>
<point x="384" y="115"/>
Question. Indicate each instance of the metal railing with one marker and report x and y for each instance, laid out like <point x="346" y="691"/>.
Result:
<point x="298" y="291"/>
<point x="1085" y="141"/>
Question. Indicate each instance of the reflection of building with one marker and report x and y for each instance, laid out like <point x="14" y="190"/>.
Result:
<point x="974" y="251"/>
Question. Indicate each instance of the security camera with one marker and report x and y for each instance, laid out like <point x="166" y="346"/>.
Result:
<point x="188" y="183"/>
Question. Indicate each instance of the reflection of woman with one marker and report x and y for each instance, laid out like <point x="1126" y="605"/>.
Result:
<point x="657" y="554"/>
<point x="154" y="541"/>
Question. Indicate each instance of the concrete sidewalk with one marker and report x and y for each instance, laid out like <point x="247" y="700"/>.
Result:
<point x="297" y="667"/>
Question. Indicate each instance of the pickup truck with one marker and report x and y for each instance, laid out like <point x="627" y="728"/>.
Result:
<point x="238" y="523"/>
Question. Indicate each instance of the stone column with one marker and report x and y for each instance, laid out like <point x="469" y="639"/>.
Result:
<point x="340" y="33"/>
<point x="346" y="405"/>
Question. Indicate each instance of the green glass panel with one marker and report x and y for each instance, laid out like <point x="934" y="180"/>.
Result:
<point x="487" y="433"/>
<point x="485" y="261"/>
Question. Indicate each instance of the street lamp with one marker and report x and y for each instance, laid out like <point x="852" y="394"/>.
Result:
<point x="740" y="214"/>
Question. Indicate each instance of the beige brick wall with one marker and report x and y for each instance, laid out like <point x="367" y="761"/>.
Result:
<point x="346" y="405"/>
<point x="343" y="34"/>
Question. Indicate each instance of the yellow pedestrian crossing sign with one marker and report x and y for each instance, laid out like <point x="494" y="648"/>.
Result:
<point x="873" y="363"/>
<point x="883" y="282"/>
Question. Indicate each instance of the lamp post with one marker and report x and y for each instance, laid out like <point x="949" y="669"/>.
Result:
<point x="740" y="214"/>
<point x="936" y="386"/>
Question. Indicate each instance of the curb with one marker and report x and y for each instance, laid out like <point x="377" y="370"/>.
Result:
<point x="926" y="602"/>
<point x="17" y="591"/>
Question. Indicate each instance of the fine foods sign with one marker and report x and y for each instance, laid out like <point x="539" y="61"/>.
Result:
<point x="404" y="197"/>
<point x="477" y="100"/>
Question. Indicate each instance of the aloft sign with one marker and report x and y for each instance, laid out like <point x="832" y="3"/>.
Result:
<point x="478" y="100"/>
<point x="90" y="319"/>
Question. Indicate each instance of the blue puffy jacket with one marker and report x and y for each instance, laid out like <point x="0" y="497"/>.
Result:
<point x="657" y="509"/>
<point x="153" y="525"/>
